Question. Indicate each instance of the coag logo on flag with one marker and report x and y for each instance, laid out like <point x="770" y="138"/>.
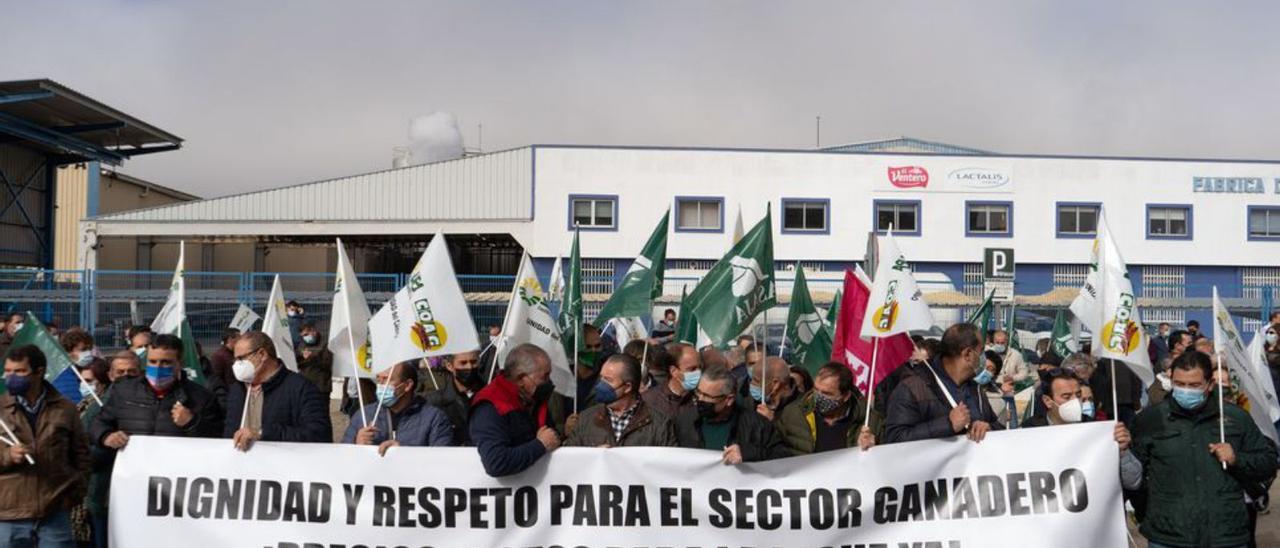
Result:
<point x="807" y="326"/>
<point x="746" y="275"/>
<point x="426" y="332"/>
<point x="364" y="359"/>
<point x="1122" y="334"/>
<point x="887" y="314"/>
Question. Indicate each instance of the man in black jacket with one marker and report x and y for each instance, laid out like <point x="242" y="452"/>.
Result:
<point x="943" y="399"/>
<point x="281" y="405"/>
<point x="162" y="402"/>
<point x="452" y="390"/>
<point x="719" y="423"/>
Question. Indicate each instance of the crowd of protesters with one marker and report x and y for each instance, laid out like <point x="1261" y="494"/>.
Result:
<point x="1185" y="487"/>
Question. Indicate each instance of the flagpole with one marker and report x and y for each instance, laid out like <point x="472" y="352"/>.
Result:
<point x="15" y="441"/>
<point x="764" y="371"/>
<point x="355" y="368"/>
<point x="86" y="383"/>
<point x="493" y="364"/>
<point x="1115" y="403"/>
<point x="871" y="393"/>
<point x="1222" y="420"/>
<point x="577" y="340"/>
<point x="378" y="409"/>
<point x="782" y="346"/>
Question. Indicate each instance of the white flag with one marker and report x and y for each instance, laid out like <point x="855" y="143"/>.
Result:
<point x="169" y="320"/>
<point x="626" y="330"/>
<point x="1109" y="308"/>
<point x="276" y="326"/>
<point x="1257" y="352"/>
<point x="896" y="304"/>
<point x="529" y="320"/>
<point x="244" y="319"/>
<point x="1231" y="348"/>
<point x="349" y="326"/>
<point x="428" y="317"/>
<point x="738" y="232"/>
<point x="555" y="286"/>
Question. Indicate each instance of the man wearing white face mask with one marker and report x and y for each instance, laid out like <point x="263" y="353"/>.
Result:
<point x="270" y="402"/>
<point x="1065" y="404"/>
<point x="406" y="418"/>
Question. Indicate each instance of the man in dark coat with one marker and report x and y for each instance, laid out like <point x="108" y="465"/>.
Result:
<point x="620" y="418"/>
<point x="452" y="390"/>
<point x="943" y="399"/>
<point x="717" y="422"/>
<point x="509" y="420"/>
<point x="278" y="405"/>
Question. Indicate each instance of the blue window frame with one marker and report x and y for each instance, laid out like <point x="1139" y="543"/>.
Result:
<point x="1077" y="219"/>
<point x="988" y="219"/>
<point x="699" y="214"/>
<point x="1169" y="222"/>
<point x="806" y="216"/>
<point x="593" y="212"/>
<point x="1264" y="223"/>
<point x="902" y="215"/>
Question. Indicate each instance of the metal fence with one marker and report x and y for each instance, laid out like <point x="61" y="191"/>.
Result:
<point x="107" y="302"/>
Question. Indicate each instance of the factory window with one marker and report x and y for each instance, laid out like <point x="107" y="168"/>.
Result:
<point x="1168" y="222"/>
<point x="699" y="214"/>
<point x="989" y="219"/>
<point x="903" y="216"/>
<point x="1264" y="223"/>
<point x="1078" y="220"/>
<point x="806" y="215"/>
<point x="593" y="212"/>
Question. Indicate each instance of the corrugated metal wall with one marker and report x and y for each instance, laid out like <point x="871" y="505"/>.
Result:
<point x="19" y="245"/>
<point x="72" y="203"/>
<point x="496" y="186"/>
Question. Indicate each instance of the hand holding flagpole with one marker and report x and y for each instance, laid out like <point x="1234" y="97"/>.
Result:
<point x="12" y="441"/>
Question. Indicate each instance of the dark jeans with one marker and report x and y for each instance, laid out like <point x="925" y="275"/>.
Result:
<point x="54" y="531"/>
<point x="98" y="524"/>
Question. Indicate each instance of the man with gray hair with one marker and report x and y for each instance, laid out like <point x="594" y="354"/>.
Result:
<point x="620" y="418"/>
<point x="509" y="422"/>
<point x="718" y="423"/>
<point x="270" y="402"/>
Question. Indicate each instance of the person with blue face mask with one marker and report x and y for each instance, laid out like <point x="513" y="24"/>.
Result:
<point x="683" y="362"/>
<point x="620" y="417"/>
<point x="1189" y="469"/>
<point x="770" y="387"/>
<point x="160" y="402"/>
<point x="44" y="468"/>
<point x="405" y="418"/>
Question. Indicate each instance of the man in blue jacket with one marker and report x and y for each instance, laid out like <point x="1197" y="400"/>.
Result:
<point x="405" y="419"/>
<point x="281" y="405"/>
<point x="509" y="423"/>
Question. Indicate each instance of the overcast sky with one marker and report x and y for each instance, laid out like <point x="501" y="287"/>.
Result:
<point x="274" y="93"/>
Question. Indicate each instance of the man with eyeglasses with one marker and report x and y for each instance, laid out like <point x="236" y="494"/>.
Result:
<point x="718" y="423"/>
<point x="270" y="402"/>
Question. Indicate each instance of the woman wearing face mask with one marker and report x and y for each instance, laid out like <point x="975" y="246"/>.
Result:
<point x="998" y="388"/>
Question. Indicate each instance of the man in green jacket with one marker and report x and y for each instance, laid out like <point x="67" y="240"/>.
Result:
<point x="829" y="417"/>
<point x="1192" y="498"/>
<point x="620" y="418"/>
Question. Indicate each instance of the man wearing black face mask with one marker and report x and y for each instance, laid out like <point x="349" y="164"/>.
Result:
<point x="453" y="389"/>
<point x="509" y="422"/>
<point x="621" y="418"/>
<point x="718" y="423"/>
<point x="829" y="417"/>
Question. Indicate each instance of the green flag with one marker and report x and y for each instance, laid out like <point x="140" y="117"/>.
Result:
<point x="570" y="319"/>
<point x="738" y="287"/>
<point x="56" y="359"/>
<point x="808" y="334"/>
<point x="643" y="281"/>
<point x="687" y="322"/>
<point x="833" y="313"/>
<point x="190" y="356"/>
<point x="1010" y="320"/>
<point x="1063" y="344"/>
<point x="981" y="318"/>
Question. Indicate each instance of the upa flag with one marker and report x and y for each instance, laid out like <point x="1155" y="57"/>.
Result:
<point x="349" y="326"/>
<point x="1258" y="361"/>
<point x="687" y="330"/>
<point x="1011" y="328"/>
<point x="643" y="281"/>
<point x="191" y="356"/>
<point x="810" y="335"/>
<point x="244" y="319"/>
<point x="276" y="325"/>
<point x="59" y="369"/>
<point x="169" y="320"/>
<point x="981" y="318"/>
<point x="1231" y="347"/>
<point x="427" y="317"/>
<point x="856" y="352"/>
<point x="1062" y="340"/>
<point x="570" y="319"/>
<point x="529" y="321"/>
<point x="1109" y="308"/>
<point x="896" y="304"/>
<point x="833" y="313"/>
<point x="738" y="287"/>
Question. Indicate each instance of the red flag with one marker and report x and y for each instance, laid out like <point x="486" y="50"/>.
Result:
<point x="854" y="351"/>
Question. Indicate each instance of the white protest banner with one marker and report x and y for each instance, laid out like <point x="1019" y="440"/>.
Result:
<point x="1043" y="487"/>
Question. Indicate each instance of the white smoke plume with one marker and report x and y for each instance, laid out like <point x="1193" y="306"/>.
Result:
<point x="434" y="137"/>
